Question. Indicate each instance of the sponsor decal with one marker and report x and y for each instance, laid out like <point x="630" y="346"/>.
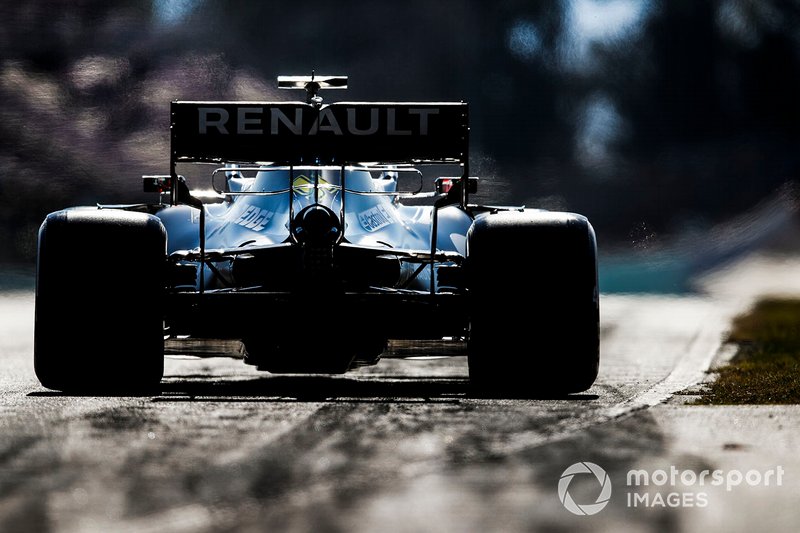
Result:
<point x="254" y="218"/>
<point x="375" y="218"/>
<point x="304" y="186"/>
<point x="336" y="133"/>
<point x="337" y="121"/>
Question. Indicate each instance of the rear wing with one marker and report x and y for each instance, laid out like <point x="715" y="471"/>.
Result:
<point x="339" y="133"/>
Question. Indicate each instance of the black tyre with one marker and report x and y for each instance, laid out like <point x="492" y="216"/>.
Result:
<point x="534" y="306"/>
<point x="99" y="301"/>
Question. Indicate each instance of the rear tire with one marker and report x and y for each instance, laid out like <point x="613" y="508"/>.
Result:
<point x="99" y="301"/>
<point x="534" y="313"/>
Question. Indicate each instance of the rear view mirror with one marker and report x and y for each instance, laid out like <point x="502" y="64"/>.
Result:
<point x="159" y="184"/>
<point x="444" y="185"/>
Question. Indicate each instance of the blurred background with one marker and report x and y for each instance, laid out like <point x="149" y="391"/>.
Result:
<point x="673" y="124"/>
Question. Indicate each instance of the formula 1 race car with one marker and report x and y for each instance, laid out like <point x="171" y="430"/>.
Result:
<point x="303" y="250"/>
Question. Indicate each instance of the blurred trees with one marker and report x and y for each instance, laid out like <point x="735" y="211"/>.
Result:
<point x="711" y="108"/>
<point x="659" y="114"/>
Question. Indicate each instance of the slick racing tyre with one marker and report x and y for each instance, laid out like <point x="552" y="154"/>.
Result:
<point x="99" y="294"/>
<point x="532" y="281"/>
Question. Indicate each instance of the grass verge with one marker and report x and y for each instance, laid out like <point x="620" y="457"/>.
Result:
<point x="766" y="367"/>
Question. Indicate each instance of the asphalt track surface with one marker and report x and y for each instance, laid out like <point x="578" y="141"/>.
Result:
<point x="399" y="447"/>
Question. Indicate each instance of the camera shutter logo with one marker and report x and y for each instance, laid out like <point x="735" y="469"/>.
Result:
<point x="584" y="468"/>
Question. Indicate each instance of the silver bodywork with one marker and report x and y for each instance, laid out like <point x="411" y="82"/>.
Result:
<point x="252" y="214"/>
